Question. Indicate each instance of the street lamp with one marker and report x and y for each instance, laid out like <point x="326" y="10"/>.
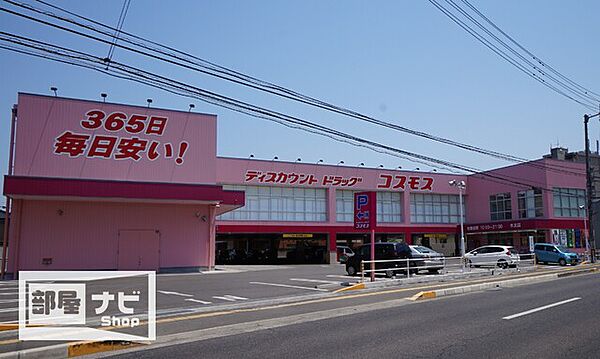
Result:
<point x="587" y="241"/>
<point x="461" y="187"/>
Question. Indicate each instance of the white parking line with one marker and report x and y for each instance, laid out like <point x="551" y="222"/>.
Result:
<point x="315" y="281"/>
<point x="290" y="286"/>
<point x="224" y="298"/>
<point x="11" y="293"/>
<point x="540" y="308"/>
<point x="235" y="297"/>
<point x="197" y="301"/>
<point x="339" y="276"/>
<point x="6" y="310"/>
<point x="174" y="293"/>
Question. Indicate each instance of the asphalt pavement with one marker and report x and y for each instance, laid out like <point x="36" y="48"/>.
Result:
<point x="466" y="326"/>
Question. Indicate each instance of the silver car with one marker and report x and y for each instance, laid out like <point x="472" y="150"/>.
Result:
<point x="434" y="261"/>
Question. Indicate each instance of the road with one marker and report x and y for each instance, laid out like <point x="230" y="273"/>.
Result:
<point x="466" y="326"/>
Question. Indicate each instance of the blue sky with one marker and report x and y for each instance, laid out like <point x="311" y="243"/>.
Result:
<point x="398" y="61"/>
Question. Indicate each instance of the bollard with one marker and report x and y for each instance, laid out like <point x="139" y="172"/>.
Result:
<point x="362" y="271"/>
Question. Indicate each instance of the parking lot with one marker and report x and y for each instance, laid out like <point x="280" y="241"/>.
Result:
<point x="243" y="285"/>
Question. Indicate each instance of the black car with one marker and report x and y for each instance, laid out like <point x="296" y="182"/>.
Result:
<point x="384" y="251"/>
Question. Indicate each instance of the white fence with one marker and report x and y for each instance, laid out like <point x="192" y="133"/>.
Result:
<point x="411" y="266"/>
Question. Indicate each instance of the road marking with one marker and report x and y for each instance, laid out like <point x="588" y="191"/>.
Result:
<point x="6" y="310"/>
<point x="289" y="286"/>
<point x="224" y="298"/>
<point x="9" y="300"/>
<point x="12" y="293"/>
<point x="541" y="308"/>
<point x="174" y="293"/>
<point x="340" y="276"/>
<point x="315" y="280"/>
<point x="301" y="303"/>
<point x="235" y="297"/>
<point x="197" y="301"/>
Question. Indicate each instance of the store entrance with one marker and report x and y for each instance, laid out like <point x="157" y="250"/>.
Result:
<point x="271" y="248"/>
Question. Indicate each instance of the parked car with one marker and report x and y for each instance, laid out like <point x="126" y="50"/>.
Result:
<point x="384" y="251"/>
<point x="493" y="255"/>
<point x="552" y="253"/>
<point x="343" y="252"/>
<point x="433" y="261"/>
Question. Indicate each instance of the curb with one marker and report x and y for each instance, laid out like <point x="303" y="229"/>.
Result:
<point x="498" y="284"/>
<point x="69" y="350"/>
<point x="431" y="294"/>
<point x="352" y="287"/>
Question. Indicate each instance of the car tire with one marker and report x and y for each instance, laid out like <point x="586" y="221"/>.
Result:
<point x="562" y="262"/>
<point x="470" y="263"/>
<point x="502" y="264"/>
<point x="351" y="270"/>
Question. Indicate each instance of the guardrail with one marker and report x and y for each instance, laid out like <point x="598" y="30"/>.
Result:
<point x="411" y="266"/>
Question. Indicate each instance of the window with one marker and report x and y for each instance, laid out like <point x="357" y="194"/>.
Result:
<point x="280" y="204"/>
<point x="500" y="208"/>
<point x="435" y="208"/>
<point x="567" y="202"/>
<point x="530" y="203"/>
<point x="389" y="206"/>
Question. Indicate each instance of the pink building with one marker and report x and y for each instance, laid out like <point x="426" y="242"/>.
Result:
<point x="107" y="186"/>
<point x="301" y="212"/>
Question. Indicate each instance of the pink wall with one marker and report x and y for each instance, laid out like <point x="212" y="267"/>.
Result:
<point x="233" y="171"/>
<point x="479" y="188"/>
<point x="236" y="172"/>
<point x="85" y="236"/>
<point x="42" y="120"/>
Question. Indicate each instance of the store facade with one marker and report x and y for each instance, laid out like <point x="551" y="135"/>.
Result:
<point x="94" y="185"/>
<point x="300" y="213"/>
<point x="102" y="186"/>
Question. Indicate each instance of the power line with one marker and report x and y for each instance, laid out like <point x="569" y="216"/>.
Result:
<point x="582" y="95"/>
<point x="506" y="56"/>
<point x="245" y="80"/>
<point x="120" y="22"/>
<point x="174" y="86"/>
<point x="533" y="56"/>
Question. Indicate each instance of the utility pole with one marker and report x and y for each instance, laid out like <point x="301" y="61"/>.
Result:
<point x="588" y="172"/>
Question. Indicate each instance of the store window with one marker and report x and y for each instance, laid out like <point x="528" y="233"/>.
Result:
<point x="500" y="207"/>
<point x="389" y="206"/>
<point x="280" y="204"/>
<point x="530" y="203"/>
<point x="567" y="202"/>
<point x="435" y="208"/>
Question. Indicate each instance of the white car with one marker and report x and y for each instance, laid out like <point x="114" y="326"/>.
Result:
<point x="493" y="255"/>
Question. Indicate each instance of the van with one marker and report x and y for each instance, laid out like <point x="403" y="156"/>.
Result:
<point x="554" y="253"/>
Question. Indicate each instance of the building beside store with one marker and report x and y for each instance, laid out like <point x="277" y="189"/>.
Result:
<point x="563" y="154"/>
<point x="94" y="185"/>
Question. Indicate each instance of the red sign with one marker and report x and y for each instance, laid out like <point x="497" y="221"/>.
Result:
<point x="365" y="210"/>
